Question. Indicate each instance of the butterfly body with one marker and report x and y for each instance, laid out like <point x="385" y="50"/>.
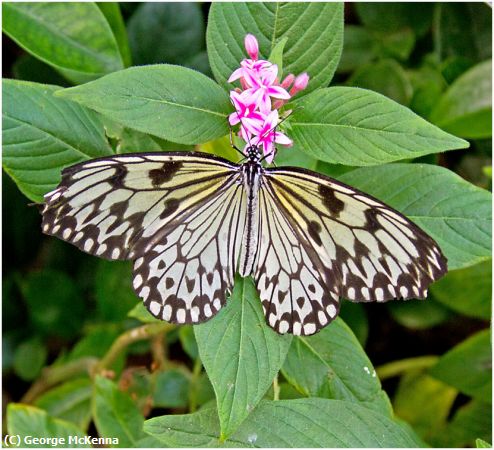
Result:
<point x="190" y="221"/>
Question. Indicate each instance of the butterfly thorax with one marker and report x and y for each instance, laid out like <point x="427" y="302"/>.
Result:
<point x="251" y="172"/>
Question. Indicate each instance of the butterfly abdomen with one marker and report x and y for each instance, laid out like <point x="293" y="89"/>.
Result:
<point x="251" y="176"/>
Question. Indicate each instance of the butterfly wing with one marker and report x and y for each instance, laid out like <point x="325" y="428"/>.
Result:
<point x="179" y="216"/>
<point x="358" y="247"/>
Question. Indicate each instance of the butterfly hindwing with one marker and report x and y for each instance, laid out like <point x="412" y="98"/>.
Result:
<point x="373" y="251"/>
<point x="187" y="272"/>
<point x="297" y="291"/>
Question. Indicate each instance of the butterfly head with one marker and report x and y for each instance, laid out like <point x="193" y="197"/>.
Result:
<point x="253" y="154"/>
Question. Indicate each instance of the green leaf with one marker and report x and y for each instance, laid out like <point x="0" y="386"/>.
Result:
<point x="396" y="16"/>
<point x="132" y="141"/>
<point x="29" y="68"/>
<point x="465" y="108"/>
<point x="97" y="342"/>
<point x="42" y="134"/>
<point x="428" y="85"/>
<point x="354" y="315"/>
<point x="115" y="414"/>
<point x="418" y="315"/>
<point x="141" y="313"/>
<point x="71" y="401"/>
<point x="55" y="303"/>
<point x="423" y="402"/>
<point x="29" y="358"/>
<point x="397" y="44"/>
<point x="171" y="389"/>
<point x="113" y="290"/>
<point x="356" y="127"/>
<point x="166" y="32"/>
<point x="112" y="13"/>
<point x="469" y="422"/>
<point x="171" y="102"/>
<point x="454" y="212"/>
<point x="468" y="366"/>
<point x="314" y="31"/>
<point x="75" y="38"/>
<point x="299" y="423"/>
<point x="480" y="443"/>
<point x="386" y="77"/>
<point x="467" y="291"/>
<point x="276" y="56"/>
<point x="241" y="354"/>
<point x="188" y="341"/>
<point x="359" y="48"/>
<point x="463" y="30"/>
<point x="332" y="364"/>
<point x="28" y="423"/>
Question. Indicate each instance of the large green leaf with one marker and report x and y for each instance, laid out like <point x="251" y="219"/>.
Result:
<point x="166" y="32"/>
<point x="467" y="291"/>
<point x="464" y="30"/>
<point x="468" y="366"/>
<point x="299" y="423"/>
<point x="455" y="213"/>
<point x="241" y="354"/>
<point x="42" y="134"/>
<point x="74" y="37"/>
<point x="357" y="127"/>
<point x="170" y="102"/>
<point x="28" y="423"/>
<point x="70" y="401"/>
<point x="332" y="364"/>
<point x="314" y="32"/>
<point x="115" y="414"/>
<point x="465" y="109"/>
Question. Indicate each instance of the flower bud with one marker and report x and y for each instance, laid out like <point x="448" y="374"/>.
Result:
<point x="300" y="83"/>
<point x="289" y="79"/>
<point x="251" y="46"/>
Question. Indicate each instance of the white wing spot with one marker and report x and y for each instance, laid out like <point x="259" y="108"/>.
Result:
<point x="88" y="245"/>
<point x="154" y="307"/>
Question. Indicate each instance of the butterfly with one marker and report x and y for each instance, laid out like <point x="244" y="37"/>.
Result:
<point x="190" y="221"/>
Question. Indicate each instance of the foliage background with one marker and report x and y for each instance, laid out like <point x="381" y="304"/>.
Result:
<point x="69" y="311"/>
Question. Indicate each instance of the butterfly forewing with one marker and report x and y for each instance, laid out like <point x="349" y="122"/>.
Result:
<point x="373" y="252"/>
<point x="180" y="216"/>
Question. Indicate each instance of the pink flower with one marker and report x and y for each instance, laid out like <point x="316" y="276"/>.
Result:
<point x="263" y="133"/>
<point x="263" y="88"/>
<point x="244" y="108"/>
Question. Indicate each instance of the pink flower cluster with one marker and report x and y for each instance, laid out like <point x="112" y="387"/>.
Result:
<point x="256" y="112"/>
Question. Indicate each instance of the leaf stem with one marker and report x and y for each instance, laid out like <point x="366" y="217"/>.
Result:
<point x="129" y="337"/>
<point x="276" y="389"/>
<point x="50" y="376"/>
<point x="396" y="368"/>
